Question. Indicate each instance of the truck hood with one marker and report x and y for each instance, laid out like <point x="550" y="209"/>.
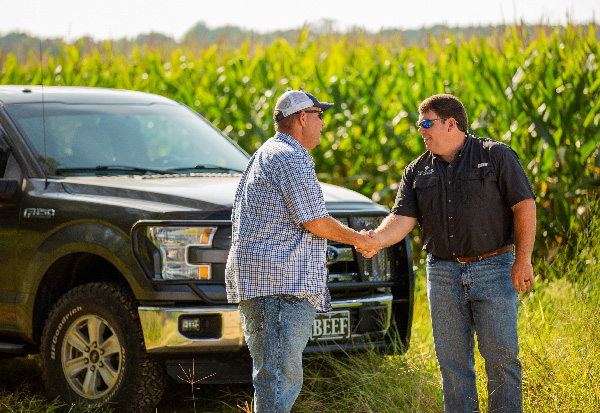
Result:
<point x="196" y="192"/>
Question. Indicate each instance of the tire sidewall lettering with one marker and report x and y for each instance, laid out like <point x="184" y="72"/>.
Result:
<point x="59" y="329"/>
<point x="117" y="387"/>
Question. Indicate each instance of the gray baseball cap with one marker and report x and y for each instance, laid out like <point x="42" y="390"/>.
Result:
<point x="294" y="101"/>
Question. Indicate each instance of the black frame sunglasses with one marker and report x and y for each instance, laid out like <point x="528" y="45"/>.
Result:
<point x="320" y="112"/>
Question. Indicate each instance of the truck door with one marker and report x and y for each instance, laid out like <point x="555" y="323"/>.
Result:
<point x="11" y="180"/>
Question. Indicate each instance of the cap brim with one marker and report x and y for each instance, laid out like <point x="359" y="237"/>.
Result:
<point x="316" y="103"/>
<point x="324" y="106"/>
<point x="289" y="106"/>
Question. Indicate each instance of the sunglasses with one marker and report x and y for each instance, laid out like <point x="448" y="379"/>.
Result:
<point x="428" y="123"/>
<point x="320" y="112"/>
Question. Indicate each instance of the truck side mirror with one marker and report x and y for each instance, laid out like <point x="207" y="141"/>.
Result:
<point x="8" y="189"/>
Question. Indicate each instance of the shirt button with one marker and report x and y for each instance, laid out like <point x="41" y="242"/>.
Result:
<point x="451" y="236"/>
<point x="449" y="217"/>
<point x="449" y="200"/>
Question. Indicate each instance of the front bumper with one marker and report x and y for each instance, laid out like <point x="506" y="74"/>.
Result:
<point x="167" y="329"/>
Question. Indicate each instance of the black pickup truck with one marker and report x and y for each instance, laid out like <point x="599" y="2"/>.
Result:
<point x="114" y="233"/>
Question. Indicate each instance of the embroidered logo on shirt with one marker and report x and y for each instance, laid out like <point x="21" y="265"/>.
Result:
<point x="427" y="171"/>
<point x="481" y="165"/>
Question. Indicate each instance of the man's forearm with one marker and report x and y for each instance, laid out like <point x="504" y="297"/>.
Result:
<point x="333" y="230"/>
<point x="394" y="228"/>
<point x="524" y="225"/>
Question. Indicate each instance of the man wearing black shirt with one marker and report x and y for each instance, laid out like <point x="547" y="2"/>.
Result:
<point x="476" y="209"/>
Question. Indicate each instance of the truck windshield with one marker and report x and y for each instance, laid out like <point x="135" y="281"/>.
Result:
<point x="87" y="139"/>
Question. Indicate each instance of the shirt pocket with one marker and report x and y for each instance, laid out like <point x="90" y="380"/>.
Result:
<point x="479" y="187"/>
<point x="427" y="189"/>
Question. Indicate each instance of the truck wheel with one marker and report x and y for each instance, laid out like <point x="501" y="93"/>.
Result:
<point x="93" y="353"/>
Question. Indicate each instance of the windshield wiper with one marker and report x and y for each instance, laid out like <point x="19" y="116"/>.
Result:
<point x="218" y="168"/>
<point x="119" y="168"/>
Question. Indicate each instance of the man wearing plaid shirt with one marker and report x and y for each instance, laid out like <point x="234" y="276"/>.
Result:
<point x="277" y="265"/>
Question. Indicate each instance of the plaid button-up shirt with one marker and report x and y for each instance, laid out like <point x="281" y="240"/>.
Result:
<point x="271" y="251"/>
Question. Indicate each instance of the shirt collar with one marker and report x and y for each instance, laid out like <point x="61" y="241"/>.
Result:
<point x="463" y="148"/>
<point x="290" y="140"/>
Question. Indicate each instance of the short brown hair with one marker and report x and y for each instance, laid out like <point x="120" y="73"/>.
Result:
<point x="285" y="123"/>
<point x="446" y="106"/>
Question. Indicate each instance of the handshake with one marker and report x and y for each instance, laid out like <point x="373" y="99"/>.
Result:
<point x="369" y="245"/>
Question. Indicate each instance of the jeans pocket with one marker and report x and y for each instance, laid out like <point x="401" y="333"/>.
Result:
<point x="252" y="313"/>
<point x="299" y="317"/>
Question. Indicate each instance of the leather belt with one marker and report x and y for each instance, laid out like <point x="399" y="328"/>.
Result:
<point x="499" y="251"/>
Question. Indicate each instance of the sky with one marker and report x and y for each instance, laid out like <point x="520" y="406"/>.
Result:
<point x="116" y="19"/>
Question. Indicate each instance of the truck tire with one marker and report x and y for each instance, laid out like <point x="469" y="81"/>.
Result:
<point x="93" y="353"/>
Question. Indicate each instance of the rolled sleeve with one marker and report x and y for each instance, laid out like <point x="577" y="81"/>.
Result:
<point x="301" y="190"/>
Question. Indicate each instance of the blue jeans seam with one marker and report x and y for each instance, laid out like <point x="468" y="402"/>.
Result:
<point x="279" y="354"/>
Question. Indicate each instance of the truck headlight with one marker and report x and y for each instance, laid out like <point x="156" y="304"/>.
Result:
<point x="174" y="243"/>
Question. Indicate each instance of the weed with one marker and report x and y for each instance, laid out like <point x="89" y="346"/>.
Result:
<point x="190" y="378"/>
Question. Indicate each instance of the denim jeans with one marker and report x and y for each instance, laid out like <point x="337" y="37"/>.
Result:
<point x="476" y="297"/>
<point x="276" y="330"/>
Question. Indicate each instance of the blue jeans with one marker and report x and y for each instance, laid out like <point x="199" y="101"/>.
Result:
<point x="276" y="330"/>
<point x="479" y="298"/>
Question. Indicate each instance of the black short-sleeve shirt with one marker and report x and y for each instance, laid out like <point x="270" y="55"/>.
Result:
<point x="464" y="207"/>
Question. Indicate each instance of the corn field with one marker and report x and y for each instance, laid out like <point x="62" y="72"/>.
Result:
<point x="538" y="93"/>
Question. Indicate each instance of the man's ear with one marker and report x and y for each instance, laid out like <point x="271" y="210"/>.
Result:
<point x="451" y="124"/>
<point x="302" y="118"/>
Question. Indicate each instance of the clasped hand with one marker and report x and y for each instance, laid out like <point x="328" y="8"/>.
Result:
<point x="370" y="245"/>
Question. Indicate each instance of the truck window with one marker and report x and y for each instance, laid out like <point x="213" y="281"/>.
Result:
<point x="142" y="136"/>
<point x="9" y="168"/>
<point x="4" y="154"/>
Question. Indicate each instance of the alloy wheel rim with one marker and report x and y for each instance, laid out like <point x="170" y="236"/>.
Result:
<point x="91" y="357"/>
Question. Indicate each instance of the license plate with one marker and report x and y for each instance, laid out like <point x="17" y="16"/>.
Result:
<point x="331" y="325"/>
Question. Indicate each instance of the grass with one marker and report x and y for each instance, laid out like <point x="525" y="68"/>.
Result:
<point x="21" y="389"/>
<point x="559" y="326"/>
<point x="560" y="349"/>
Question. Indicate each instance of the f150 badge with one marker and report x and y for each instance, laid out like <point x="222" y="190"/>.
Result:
<point x="41" y="213"/>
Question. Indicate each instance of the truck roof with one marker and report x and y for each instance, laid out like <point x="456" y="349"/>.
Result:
<point x="10" y="94"/>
